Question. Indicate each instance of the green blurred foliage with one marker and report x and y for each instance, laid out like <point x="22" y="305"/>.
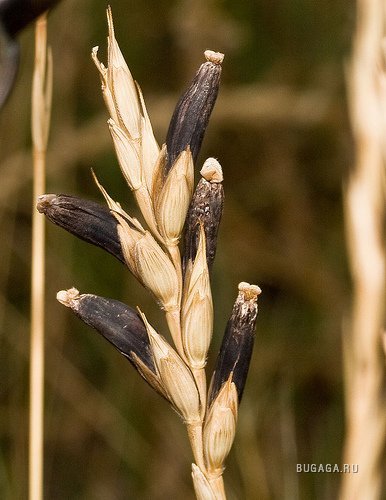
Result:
<point x="284" y="158"/>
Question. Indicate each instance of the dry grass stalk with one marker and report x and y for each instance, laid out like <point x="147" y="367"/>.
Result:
<point x="41" y="107"/>
<point x="365" y="211"/>
<point x="162" y="182"/>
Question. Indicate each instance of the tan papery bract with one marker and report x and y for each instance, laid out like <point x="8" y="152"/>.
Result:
<point x="128" y="238"/>
<point x="144" y="257"/>
<point x="116" y="208"/>
<point x="127" y="154"/>
<point x="131" y="130"/>
<point x="149" y="263"/>
<point x="197" y="309"/>
<point x="153" y="379"/>
<point x="176" y="377"/>
<point x="106" y="91"/>
<point x="157" y="271"/>
<point x="201" y="485"/>
<point x="197" y="330"/>
<point x="174" y="198"/>
<point x="122" y="85"/>
<point x="220" y="427"/>
<point x="149" y="146"/>
<point x="158" y="178"/>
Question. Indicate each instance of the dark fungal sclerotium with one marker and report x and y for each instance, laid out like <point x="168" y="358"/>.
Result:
<point x="85" y="219"/>
<point x="237" y="345"/>
<point x="121" y="325"/>
<point x="205" y="209"/>
<point x="191" y="115"/>
<point x="116" y="322"/>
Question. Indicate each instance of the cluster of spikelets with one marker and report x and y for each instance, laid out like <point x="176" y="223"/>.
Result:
<point x="162" y="181"/>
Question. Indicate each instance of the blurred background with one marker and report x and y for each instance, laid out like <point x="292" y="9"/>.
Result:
<point x="280" y="130"/>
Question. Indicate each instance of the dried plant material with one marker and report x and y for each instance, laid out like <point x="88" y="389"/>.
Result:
<point x="41" y="96"/>
<point x="236" y="348"/>
<point x="202" y="487"/>
<point x="365" y="368"/>
<point x="148" y="262"/>
<point x="220" y="427"/>
<point x="176" y="377"/>
<point x="157" y="272"/>
<point x="130" y="127"/>
<point x="144" y="257"/>
<point x="40" y="122"/>
<point x="214" y="57"/>
<point x="211" y="171"/>
<point x="197" y="310"/>
<point x="174" y="198"/>
<point x="149" y="146"/>
<point x="85" y="219"/>
<point x="162" y="183"/>
<point x="114" y="206"/>
<point x="191" y="115"/>
<point x="153" y="379"/>
<point x="205" y="209"/>
<point x="118" y="86"/>
<point x="158" y="179"/>
<point x="128" y="156"/>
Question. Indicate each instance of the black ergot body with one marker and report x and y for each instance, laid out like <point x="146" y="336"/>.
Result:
<point x="85" y="219"/>
<point x="237" y="345"/>
<point x="121" y="326"/>
<point x="191" y="115"/>
<point x="118" y="323"/>
<point x="205" y="208"/>
<point x="186" y="130"/>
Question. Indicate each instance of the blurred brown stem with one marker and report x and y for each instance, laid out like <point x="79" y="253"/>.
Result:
<point x="365" y="212"/>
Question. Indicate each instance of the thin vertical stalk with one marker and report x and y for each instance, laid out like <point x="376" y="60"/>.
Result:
<point x="41" y="105"/>
<point x="365" y="371"/>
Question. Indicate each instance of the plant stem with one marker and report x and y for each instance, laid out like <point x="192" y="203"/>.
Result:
<point x="365" y="372"/>
<point x="146" y="206"/>
<point x="36" y="423"/>
<point x="200" y="378"/>
<point x="174" y="324"/>
<point x="195" y="438"/>
<point x="173" y="317"/>
<point x="175" y="255"/>
<point x="217" y="485"/>
<point x="41" y="101"/>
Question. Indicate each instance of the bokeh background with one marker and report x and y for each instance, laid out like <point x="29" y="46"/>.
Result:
<point x="280" y="130"/>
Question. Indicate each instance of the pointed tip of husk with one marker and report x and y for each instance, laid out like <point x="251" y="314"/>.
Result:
<point x="110" y="24"/>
